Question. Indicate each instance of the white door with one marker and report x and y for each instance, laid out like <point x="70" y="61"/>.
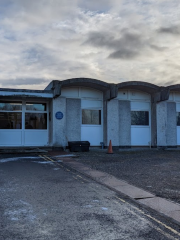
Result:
<point x="92" y="124"/>
<point x="140" y="123"/>
<point x="36" y="124"/>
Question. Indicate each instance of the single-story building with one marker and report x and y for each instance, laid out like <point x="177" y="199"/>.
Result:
<point x="82" y="109"/>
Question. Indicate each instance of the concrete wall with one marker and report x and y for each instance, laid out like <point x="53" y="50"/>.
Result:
<point x="51" y="123"/>
<point x="104" y="120"/>
<point x="166" y="124"/>
<point x="58" y="127"/>
<point x="124" y="123"/>
<point x="161" y="110"/>
<point x="73" y="119"/>
<point x="171" y="124"/>
<point x="117" y="122"/>
<point x="153" y="125"/>
<point x="113" y="122"/>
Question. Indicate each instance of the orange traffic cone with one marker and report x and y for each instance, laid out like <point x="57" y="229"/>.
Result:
<point x="110" y="151"/>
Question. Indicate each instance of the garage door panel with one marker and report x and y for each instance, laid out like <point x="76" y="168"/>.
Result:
<point x="36" y="137"/>
<point x="140" y="136"/>
<point x="92" y="134"/>
<point x="10" y="137"/>
<point x="178" y="135"/>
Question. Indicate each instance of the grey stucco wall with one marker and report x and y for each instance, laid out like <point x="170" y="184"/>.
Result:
<point x="161" y="111"/>
<point x="171" y="124"/>
<point x="124" y="123"/>
<point x="73" y="119"/>
<point x="113" y="122"/>
<point x="58" y="127"/>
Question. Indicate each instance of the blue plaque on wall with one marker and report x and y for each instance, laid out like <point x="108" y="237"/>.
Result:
<point x="59" y="115"/>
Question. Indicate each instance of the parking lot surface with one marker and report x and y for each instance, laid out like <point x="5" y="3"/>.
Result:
<point x="157" y="171"/>
<point x="42" y="199"/>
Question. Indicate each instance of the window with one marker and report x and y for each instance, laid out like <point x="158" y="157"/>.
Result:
<point x="91" y="117"/>
<point x="36" y="106"/>
<point x="8" y="106"/>
<point x="10" y="120"/>
<point x="140" y="118"/>
<point x="35" y="120"/>
<point x="178" y="118"/>
<point x="11" y="115"/>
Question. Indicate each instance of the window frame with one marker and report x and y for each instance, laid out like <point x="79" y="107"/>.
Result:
<point x="13" y="111"/>
<point x="89" y="124"/>
<point x="177" y="113"/>
<point x="37" y="112"/>
<point x="141" y="125"/>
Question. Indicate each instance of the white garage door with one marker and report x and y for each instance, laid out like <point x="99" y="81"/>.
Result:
<point x="23" y="123"/>
<point x="140" y="123"/>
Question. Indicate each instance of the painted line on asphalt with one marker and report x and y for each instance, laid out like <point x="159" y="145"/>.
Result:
<point x="60" y="165"/>
<point x="121" y="199"/>
<point x="149" y="216"/>
<point x="42" y="157"/>
<point x="151" y="224"/>
<point x="155" y="227"/>
<point x="49" y="158"/>
<point x="82" y="178"/>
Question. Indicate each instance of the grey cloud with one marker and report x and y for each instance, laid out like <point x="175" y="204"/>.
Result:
<point x="39" y="55"/>
<point x="105" y="39"/>
<point x="157" y="48"/>
<point x="37" y="13"/>
<point x="124" y="54"/>
<point x="174" y="30"/>
<point x="94" y="5"/>
<point x="127" y="46"/>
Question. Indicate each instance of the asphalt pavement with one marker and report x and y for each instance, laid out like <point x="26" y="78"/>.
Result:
<point x="44" y="199"/>
<point x="153" y="170"/>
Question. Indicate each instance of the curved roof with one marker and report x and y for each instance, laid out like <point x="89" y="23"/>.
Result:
<point x="138" y="85"/>
<point x="85" y="82"/>
<point x="175" y="87"/>
<point x="110" y="89"/>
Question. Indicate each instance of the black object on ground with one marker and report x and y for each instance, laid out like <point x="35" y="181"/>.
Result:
<point x="79" y="146"/>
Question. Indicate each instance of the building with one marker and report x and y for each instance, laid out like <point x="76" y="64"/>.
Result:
<point x="81" y="109"/>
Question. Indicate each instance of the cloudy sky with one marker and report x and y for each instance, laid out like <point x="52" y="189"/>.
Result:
<point x="109" y="40"/>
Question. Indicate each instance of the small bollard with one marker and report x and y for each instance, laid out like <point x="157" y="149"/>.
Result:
<point x="102" y="145"/>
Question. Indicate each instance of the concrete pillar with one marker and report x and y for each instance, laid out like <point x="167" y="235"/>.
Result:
<point x="153" y="125"/>
<point x="73" y="119"/>
<point x="171" y="125"/>
<point x="58" y="126"/>
<point x="105" y="122"/>
<point x="124" y="124"/>
<point x="161" y="109"/>
<point x="113" y="122"/>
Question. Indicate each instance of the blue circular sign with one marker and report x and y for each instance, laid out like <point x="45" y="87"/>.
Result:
<point x="59" y="115"/>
